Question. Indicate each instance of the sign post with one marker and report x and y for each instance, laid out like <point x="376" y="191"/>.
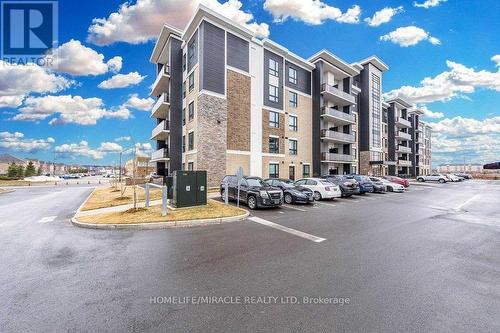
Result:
<point x="239" y="176"/>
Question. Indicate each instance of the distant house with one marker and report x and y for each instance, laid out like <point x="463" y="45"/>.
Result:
<point x="468" y="168"/>
<point x="143" y="167"/>
<point x="7" y="159"/>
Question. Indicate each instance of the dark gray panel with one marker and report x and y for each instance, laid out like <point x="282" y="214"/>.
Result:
<point x="192" y="52"/>
<point x="213" y="63"/>
<point x="316" y="120"/>
<point x="269" y="55"/>
<point x="237" y="52"/>
<point x="175" y="149"/>
<point x="391" y="134"/>
<point x="363" y="110"/>
<point x="303" y="78"/>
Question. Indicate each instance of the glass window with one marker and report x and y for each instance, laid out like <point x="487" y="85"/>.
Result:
<point x="376" y="126"/>
<point x="191" y="141"/>
<point x="191" y="111"/>
<point x="292" y="99"/>
<point x="292" y="123"/>
<point x="274" y="145"/>
<point x="191" y="82"/>
<point x="191" y="49"/>
<point x="184" y="62"/>
<point x="184" y="89"/>
<point x="184" y="116"/>
<point x="274" y="119"/>
<point x="273" y="67"/>
<point x="183" y="143"/>
<point x="190" y="166"/>
<point x="306" y="170"/>
<point x="292" y="147"/>
<point x="292" y="75"/>
<point x="273" y="93"/>
<point x="311" y="182"/>
<point x="274" y="170"/>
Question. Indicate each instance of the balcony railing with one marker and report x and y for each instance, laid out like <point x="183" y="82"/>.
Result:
<point x="403" y="122"/>
<point x="340" y="97"/>
<point x="161" y="82"/>
<point x="404" y="163"/>
<point x="161" y="128"/>
<point x="404" y="149"/>
<point x="403" y="135"/>
<point x="338" y="136"/>
<point x="337" y="157"/>
<point x="347" y="117"/>
<point x="160" y="154"/>
<point x="161" y="106"/>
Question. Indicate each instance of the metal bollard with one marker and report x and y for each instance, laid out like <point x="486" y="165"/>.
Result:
<point x="164" y="201"/>
<point x="146" y="199"/>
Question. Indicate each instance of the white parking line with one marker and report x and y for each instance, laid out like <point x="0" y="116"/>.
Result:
<point x="286" y="229"/>
<point x="296" y="208"/>
<point x="47" y="219"/>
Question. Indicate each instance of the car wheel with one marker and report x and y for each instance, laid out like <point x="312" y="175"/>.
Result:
<point x="420" y="179"/>
<point x="390" y="189"/>
<point x="317" y="196"/>
<point x="252" y="202"/>
<point x="288" y="198"/>
<point x="442" y="181"/>
<point x="223" y="195"/>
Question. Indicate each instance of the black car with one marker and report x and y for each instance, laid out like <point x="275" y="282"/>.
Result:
<point x="254" y="192"/>
<point x="348" y="186"/>
<point x="378" y="185"/>
<point x="292" y="194"/>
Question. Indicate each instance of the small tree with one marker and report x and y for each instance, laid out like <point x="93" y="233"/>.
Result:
<point x="12" y="170"/>
<point x="30" y="169"/>
<point x="20" y="171"/>
<point x="39" y="171"/>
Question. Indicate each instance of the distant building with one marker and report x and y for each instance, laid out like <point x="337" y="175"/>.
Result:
<point x="6" y="160"/>
<point x="468" y="168"/>
<point x="492" y="166"/>
<point x="143" y="167"/>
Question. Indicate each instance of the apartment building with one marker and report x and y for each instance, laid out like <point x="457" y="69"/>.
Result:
<point x="227" y="100"/>
<point x="423" y="148"/>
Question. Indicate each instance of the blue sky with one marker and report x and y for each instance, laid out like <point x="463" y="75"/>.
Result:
<point x="462" y="96"/>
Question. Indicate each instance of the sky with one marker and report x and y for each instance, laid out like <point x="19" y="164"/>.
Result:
<point x="443" y="55"/>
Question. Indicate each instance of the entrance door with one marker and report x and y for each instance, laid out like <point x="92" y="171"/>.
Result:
<point x="291" y="172"/>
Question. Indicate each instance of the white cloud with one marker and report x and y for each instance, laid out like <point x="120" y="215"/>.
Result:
<point x="455" y="82"/>
<point x="76" y="59"/>
<point x="123" y="138"/>
<point x="70" y="109"/>
<point x="496" y="59"/>
<point x="431" y="114"/>
<point x="17" y="81"/>
<point x="409" y="36"/>
<point x="83" y="149"/>
<point x="121" y="81"/>
<point x="141" y="21"/>
<point x="143" y="104"/>
<point x="310" y="11"/>
<point x="143" y="149"/>
<point x="428" y="3"/>
<point x="383" y="16"/>
<point x="16" y="141"/>
<point x="115" y="64"/>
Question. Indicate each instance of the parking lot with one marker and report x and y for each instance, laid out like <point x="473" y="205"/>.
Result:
<point x="424" y="260"/>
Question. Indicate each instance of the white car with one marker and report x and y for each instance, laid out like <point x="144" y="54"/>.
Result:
<point x="322" y="189"/>
<point x="453" y="178"/>
<point x="435" y="177"/>
<point x="390" y="186"/>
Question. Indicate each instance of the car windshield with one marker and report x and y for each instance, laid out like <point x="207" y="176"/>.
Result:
<point x="325" y="182"/>
<point x="287" y="183"/>
<point x="256" y="182"/>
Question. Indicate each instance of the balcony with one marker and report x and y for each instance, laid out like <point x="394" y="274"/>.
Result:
<point x="161" y="83"/>
<point x="336" y="158"/>
<point x="339" y="117"/>
<point x="403" y="136"/>
<point x="404" y="150"/>
<point x="161" y="131"/>
<point x="404" y="163"/>
<point x="161" y="107"/>
<point x="336" y="95"/>
<point x="160" y="155"/>
<point x="338" y="136"/>
<point x="402" y="122"/>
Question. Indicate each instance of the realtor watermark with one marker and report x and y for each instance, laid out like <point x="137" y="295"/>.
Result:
<point x="29" y="31"/>
<point x="248" y="300"/>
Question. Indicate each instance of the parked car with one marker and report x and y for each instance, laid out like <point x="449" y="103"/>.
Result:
<point x="398" y="180"/>
<point x="364" y="183"/>
<point x="378" y="185"/>
<point x="435" y="177"/>
<point x="389" y="186"/>
<point x="453" y="178"/>
<point x="254" y="192"/>
<point x="348" y="186"/>
<point x="321" y="188"/>
<point x="463" y="175"/>
<point x="292" y="193"/>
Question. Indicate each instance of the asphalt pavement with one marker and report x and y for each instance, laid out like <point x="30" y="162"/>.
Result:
<point x="422" y="261"/>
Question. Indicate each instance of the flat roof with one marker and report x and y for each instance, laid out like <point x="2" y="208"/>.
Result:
<point x="334" y="60"/>
<point x="400" y="101"/>
<point x="165" y="32"/>
<point x="280" y="49"/>
<point x="375" y="61"/>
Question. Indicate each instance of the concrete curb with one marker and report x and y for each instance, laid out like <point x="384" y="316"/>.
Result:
<point x="83" y="203"/>
<point x="7" y="191"/>
<point x="160" y="225"/>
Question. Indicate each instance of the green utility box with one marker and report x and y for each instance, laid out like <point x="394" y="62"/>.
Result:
<point x="190" y="188"/>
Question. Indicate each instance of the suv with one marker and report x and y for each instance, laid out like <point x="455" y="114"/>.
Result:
<point x="254" y="192"/>
<point x="435" y="177"/>
<point x="292" y="193"/>
<point x="348" y="186"/>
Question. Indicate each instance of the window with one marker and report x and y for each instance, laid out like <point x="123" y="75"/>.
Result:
<point x="292" y="123"/>
<point x="184" y="116"/>
<point x="306" y="170"/>
<point x="376" y="137"/>
<point x="292" y="147"/>
<point x="354" y="152"/>
<point x="183" y="143"/>
<point x="292" y="75"/>
<point x="191" y="50"/>
<point x="274" y="170"/>
<point x="273" y="93"/>
<point x="292" y="99"/>
<point x="274" y="145"/>
<point x="191" y="141"/>
<point x="191" y="111"/>
<point x="190" y="166"/>
<point x="274" y="119"/>
<point x="183" y="166"/>
<point x="311" y="182"/>
<point x="301" y="181"/>
<point x="273" y="67"/>
<point x="184" y="89"/>
<point x="184" y="62"/>
<point x="191" y="82"/>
